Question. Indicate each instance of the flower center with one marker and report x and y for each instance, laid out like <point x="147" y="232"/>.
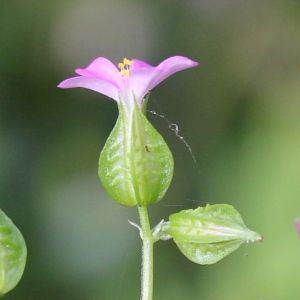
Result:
<point x="125" y="67"/>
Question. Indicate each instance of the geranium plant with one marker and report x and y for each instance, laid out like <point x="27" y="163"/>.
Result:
<point x="136" y="167"/>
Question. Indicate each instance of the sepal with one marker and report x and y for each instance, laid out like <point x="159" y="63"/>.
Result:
<point x="136" y="165"/>
<point x="208" y="234"/>
<point x="13" y="253"/>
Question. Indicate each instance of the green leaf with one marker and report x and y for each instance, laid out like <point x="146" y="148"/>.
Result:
<point x="13" y="254"/>
<point x="136" y="165"/>
<point x="207" y="234"/>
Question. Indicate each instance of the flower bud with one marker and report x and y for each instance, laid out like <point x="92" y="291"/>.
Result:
<point x="13" y="254"/>
<point x="136" y="165"/>
<point x="207" y="234"/>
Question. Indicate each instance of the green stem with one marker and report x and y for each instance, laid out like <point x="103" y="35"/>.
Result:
<point x="147" y="255"/>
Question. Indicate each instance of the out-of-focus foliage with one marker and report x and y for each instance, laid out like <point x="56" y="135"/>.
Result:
<point x="13" y="254"/>
<point x="239" y="111"/>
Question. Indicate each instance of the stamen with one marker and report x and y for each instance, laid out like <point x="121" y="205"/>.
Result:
<point x="125" y="67"/>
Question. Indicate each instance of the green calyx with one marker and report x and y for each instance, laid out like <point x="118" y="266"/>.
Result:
<point x="13" y="253"/>
<point x="136" y="165"/>
<point x="208" y="234"/>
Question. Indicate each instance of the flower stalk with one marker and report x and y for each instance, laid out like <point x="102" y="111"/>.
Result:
<point x="147" y="255"/>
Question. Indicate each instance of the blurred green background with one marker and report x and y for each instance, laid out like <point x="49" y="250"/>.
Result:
<point x="239" y="111"/>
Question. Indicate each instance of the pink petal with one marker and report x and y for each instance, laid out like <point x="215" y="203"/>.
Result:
<point x="145" y="77"/>
<point x="297" y="223"/>
<point x="140" y="81"/>
<point x="104" y="69"/>
<point x="91" y="83"/>
<point x="139" y="64"/>
<point x="172" y="65"/>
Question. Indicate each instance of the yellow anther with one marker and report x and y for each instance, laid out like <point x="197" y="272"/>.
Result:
<point x="125" y="67"/>
<point x="128" y="62"/>
<point x="120" y="65"/>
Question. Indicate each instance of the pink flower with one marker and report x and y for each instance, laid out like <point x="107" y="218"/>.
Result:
<point x="129" y="85"/>
<point x="297" y="224"/>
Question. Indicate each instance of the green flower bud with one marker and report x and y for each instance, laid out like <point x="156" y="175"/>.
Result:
<point x="208" y="234"/>
<point x="136" y="165"/>
<point x="13" y="254"/>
